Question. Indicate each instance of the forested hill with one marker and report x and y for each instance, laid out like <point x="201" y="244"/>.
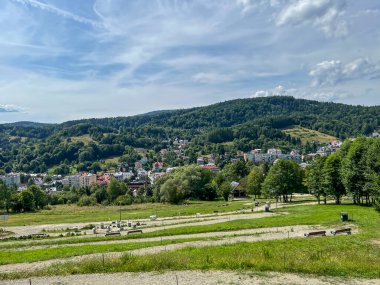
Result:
<point x="336" y="119"/>
<point x="239" y="124"/>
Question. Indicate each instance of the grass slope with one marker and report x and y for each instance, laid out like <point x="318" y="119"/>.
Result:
<point x="307" y="135"/>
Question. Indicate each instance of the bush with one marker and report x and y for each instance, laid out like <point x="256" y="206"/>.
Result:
<point x="377" y="204"/>
<point x="124" y="200"/>
<point x="87" y="201"/>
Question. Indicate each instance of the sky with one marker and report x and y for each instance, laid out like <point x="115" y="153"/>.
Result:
<point x="67" y="59"/>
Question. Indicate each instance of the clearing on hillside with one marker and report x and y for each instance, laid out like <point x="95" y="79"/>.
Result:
<point x="86" y="139"/>
<point x="307" y="135"/>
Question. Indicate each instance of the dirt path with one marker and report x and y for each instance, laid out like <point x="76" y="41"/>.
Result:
<point x="293" y="231"/>
<point x="162" y="225"/>
<point x="193" y="277"/>
<point x="267" y="234"/>
<point x="34" y="229"/>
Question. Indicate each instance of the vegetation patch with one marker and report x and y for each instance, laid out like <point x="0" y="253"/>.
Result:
<point x="308" y="135"/>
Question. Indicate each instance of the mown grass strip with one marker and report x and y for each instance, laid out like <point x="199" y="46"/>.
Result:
<point x="33" y="255"/>
<point x="345" y="256"/>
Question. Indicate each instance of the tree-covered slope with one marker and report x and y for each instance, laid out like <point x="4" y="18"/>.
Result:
<point x="247" y="123"/>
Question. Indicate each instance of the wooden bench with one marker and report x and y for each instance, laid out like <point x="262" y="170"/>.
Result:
<point x="342" y="231"/>
<point x="40" y="235"/>
<point x="113" y="234"/>
<point x="314" y="234"/>
<point x="134" y="232"/>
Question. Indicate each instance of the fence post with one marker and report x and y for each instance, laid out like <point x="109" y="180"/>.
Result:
<point x="176" y="278"/>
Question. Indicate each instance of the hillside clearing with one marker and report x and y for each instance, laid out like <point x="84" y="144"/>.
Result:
<point x="307" y="135"/>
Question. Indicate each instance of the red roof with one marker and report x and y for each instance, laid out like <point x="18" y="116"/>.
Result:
<point x="209" y="166"/>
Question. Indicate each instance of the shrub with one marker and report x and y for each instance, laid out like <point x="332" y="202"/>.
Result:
<point x="87" y="201"/>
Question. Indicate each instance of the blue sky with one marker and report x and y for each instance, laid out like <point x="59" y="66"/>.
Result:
<point x="63" y="60"/>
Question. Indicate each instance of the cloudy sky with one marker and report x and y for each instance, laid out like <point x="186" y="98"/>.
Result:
<point x="63" y="60"/>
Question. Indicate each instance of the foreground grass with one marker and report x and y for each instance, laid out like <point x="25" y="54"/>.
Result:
<point x="33" y="255"/>
<point x="347" y="256"/>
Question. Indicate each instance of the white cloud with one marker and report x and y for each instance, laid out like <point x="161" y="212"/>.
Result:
<point x="325" y="15"/>
<point x="211" y="78"/>
<point x="310" y="93"/>
<point x="59" y="12"/>
<point x="329" y="73"/>
<point x="9" y="108"/>
<point x="277" y="91"/>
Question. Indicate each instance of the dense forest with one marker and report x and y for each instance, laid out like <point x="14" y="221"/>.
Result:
<point x="240" y="124"/>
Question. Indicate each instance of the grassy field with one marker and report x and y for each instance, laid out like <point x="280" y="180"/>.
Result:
<point x="33" y="255"/>
<point x="86" y="139"/>
<point x="307" y="135"/>
<point x="75" y="214"/>
<point x="347" y="255"/>
<point x="114" y="159"/>
<point x="324" y="215"/>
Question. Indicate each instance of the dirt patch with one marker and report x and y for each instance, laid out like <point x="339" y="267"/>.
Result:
<point x="193" y="277"/>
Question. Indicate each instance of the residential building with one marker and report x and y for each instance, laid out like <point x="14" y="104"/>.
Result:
<point x="121" y="176"/>
<point x="257" y="156"/>
<point x="87" y="180"/>
<point x="200" y="161"/>
<point x="211" y="167"/>
<point x="72" y="181"/>
<point x="12" y="179"/>
<point x="157" y="166"/>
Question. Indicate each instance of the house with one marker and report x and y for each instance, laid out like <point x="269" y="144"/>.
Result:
<point x="138" y="164"/>
<point x="103" y="179"/>
<point x="87" y="180"/>
<point x="12" y="179"/>
<point x="71" y="181"/>
<point x="274" y="151"/>
<point x="335" y="144"/>
<point x="157" y="166"/>
<point x="375" y="134"/>
<point x="211" y="167"/>
<point x="121" y="176"/>
<point x="135" y="185"/>
<point x="200" y="161"/>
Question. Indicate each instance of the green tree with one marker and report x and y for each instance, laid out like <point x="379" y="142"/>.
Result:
<point x="284" y="178"/>
<point x="115" y="189"/>
<point x="315" y="179"/>
<point x="6" y="194"/>
<point x="332" y="180"/>
<point x="40" y="197"/>
<point x="26" y="200"/>
<point x="372" y="186"/>
<point x="354" y="166"/>
<point x="225" y="190"/>
<point x="255" y="180"/>
<point x="174" y="190"/>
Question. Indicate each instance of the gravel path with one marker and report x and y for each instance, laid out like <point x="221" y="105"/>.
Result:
<point x="191" y="278"/>
<point x="293" y="230"/>
<point x="156" y="226"/>
<point x="267" y="234"/>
